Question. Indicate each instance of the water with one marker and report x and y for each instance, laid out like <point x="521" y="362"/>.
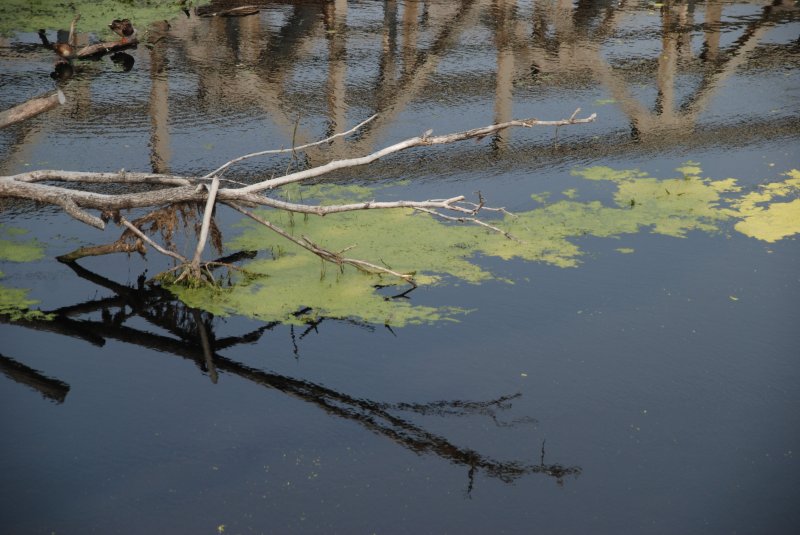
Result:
<point x="651" y="392"/>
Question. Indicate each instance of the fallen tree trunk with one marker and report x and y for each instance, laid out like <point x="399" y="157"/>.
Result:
<point x="31" y="108"/>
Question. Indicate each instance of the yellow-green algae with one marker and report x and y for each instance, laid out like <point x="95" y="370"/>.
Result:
<point x="442" y="251"/>
<point x="16" y="251"/>
<point x="14" y="302"/>
<point x="767" y="220"/>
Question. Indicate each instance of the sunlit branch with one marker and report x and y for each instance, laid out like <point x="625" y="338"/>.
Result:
<point x="219" y="170"/>
<point x="425" y="140"/>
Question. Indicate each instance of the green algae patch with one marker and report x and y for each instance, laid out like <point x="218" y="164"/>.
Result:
<point x="773" y="223"/>
<point x="293" y="285"/>
<point x="670" y="206"/>
<point x="31" y="15"/>
<point x="399" y="239"/>
<point x="570" y="193"/>
<point x="20" y="252"/>
<point x="292" y="279"/>
<point x="328" y="193"/>
<point x="541" y="198"/>
<point x="14" y="302"/>
<point x="766" y="219"/>
<point x="299" y="297"/>
<point x="14" y="250"/>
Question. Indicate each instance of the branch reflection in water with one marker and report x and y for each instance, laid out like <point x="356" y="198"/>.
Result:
<point x="193" y="338"/>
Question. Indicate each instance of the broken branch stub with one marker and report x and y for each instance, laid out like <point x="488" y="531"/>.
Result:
<point x="31" y="108"/>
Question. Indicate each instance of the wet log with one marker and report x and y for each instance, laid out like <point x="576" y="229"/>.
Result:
<point x="119" y="246"/>
<point x="31" y="108"/>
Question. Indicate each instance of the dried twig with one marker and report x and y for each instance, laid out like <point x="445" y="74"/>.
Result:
<point x="425" y="139"/>
<point x="324" y="254"/>
<point x="219" y="170"/>
<point x="141" y="235"/>
<point x="470" y="220"/>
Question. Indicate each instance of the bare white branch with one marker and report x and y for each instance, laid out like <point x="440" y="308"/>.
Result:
<point x="219" y="170"/>
<point x="203" y="238"/>
<point x="406" y="144"/>
<point x="179" y="189"/>
<point x="130" y="226"/>
<point x="470" y="220"/>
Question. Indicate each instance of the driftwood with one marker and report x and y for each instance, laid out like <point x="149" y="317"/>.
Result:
<point x="208" y="190"/>
<point x="31" y="108"/>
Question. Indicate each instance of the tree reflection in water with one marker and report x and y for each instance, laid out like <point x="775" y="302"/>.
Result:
<point x="193" y="338"/>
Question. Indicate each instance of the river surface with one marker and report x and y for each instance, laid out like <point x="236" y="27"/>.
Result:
<point x="641" y="377"/>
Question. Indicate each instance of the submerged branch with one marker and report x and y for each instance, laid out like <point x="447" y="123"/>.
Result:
<point x="470" y="220"/>
<point x="119" y="246"/>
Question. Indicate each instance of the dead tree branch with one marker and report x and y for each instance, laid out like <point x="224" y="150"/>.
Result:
<point x="470" y="220"/>
<point x="424" y="140"/>
<point x="141" y="235"/>
<point x="39" y="186"/>
<point x="201" y="240"/>
<point x="219" y="170"/>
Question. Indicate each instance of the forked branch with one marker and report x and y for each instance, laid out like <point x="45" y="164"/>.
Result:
<point x="39" y="186"/>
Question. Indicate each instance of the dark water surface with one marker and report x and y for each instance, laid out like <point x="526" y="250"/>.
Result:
<point x="651" y="392"/>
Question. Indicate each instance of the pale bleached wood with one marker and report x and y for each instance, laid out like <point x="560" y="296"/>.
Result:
<point x="31" y="108"/>
<point x="179" y="189"/>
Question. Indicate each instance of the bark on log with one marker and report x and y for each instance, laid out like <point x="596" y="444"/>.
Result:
<point x="31" y="108"/>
